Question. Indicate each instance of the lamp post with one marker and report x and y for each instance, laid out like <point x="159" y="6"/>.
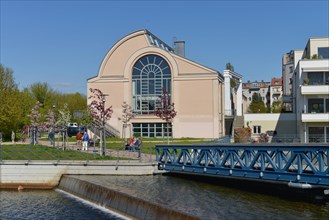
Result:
<point x="103" y="124"/>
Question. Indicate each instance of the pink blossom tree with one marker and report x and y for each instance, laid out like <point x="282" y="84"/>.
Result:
<point x="166" y="111"/>
<point x="100" y="114"/>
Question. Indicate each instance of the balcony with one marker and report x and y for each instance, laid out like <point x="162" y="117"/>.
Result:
<point x="315" y="89"/>
<point x="315" y="117"/>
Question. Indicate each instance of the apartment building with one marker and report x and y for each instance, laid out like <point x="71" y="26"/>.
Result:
<point x="262" y="88"/>
<point x="276" y="94"/>
<point x="311" y="91"/>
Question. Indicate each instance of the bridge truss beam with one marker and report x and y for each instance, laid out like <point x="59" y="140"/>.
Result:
<point x="307" y="164"/>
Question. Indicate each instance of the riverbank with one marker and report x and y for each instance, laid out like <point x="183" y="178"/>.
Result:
<point x="18" y="174"/>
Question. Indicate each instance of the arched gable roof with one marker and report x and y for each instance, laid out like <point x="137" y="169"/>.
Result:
<point x="121" y="56"/>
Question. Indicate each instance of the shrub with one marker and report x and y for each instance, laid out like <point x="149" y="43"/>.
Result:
<point x="242" y="135"/>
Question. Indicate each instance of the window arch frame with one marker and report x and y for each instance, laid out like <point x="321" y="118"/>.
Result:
<point x="150" y="74"/>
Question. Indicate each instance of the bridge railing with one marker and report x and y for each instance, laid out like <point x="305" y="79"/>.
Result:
<point x="307" y="164"/>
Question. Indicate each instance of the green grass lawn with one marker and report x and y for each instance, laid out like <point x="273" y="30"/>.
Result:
<point x="39" y="152"/>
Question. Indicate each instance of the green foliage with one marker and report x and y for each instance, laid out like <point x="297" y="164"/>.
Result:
<point x="10" y="103"/>
<point x="306" y="80"/>
<point x="16" y="106"/>
<point x="233" y="83"/>
<point x="257" y="105"/>
<point x="41" y="92"/>
<point x="277" y="106"/>
<point x="229" y="66"/>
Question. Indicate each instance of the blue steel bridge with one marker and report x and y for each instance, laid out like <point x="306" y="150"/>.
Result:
<point x="299" y="165"/>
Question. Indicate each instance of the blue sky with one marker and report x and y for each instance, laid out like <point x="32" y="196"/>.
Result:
<point x="63" y="43"/>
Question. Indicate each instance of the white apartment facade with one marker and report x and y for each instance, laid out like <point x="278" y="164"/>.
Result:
<point x="262" y="88"/>
<point x="311" y="92"/>
<point x="275" y="91"/>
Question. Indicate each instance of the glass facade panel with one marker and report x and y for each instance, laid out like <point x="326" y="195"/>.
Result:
<point x="315" y="106"/>
<point x="315" y="78"/>
<point x="326" y="76"/>
<point x="157" y="130"/>
<point x="323" y="52"/>
<point x="316" y="134"/>
<point x="150" y="75"/>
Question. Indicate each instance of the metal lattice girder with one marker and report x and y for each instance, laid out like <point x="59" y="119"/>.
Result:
<point x="303" y="163"/>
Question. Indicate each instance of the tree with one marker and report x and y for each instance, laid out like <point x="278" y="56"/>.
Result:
<point x="257" y="105"/>
<point x="76" y="103"/>
<point x="277" y="106"/>
<point x="64" y="117"/>
<point x="86" y="118"/>
<point x="127" y="114"/>
<point x="35" y="122"/>
<point x="100" y="114"/>
<point x="166" y="111"/>
<point x="229" y="66"/>
<point x="10" y="103"/>
<point x="41" y="92"/>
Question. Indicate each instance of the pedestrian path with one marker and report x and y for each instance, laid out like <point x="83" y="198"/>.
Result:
<point x="110" y="152"/>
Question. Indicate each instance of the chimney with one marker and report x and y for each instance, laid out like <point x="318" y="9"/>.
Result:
<point x="179" y="48"/>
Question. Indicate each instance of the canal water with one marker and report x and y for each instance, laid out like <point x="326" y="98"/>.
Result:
<point x="49" y="205"/>
<point x="205" y="200"/>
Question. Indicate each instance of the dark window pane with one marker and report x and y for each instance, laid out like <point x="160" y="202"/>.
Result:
<point x="316" y="134"/>
<point x="315" y="106"/>
<point x="316" y="78"/>
<point x="151" y="86"/>
<point x="323" y="52"/>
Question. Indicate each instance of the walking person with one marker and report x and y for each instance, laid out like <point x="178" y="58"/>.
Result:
<point x="79" y="140"/>
<point x="13" y="137"/>
<point x="139" y="146"/>
<point x="51" y="137"/>
<point x="85" y="140"/>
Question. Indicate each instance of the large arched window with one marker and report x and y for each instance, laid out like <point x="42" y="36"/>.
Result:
<point x="150" y="75"/>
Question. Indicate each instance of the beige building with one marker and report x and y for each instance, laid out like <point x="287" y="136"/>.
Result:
<point x="139" y="66"/>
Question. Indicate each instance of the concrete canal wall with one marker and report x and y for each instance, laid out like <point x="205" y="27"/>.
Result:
<point x="119" y="202"/>
<point x="47" y="175"/>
